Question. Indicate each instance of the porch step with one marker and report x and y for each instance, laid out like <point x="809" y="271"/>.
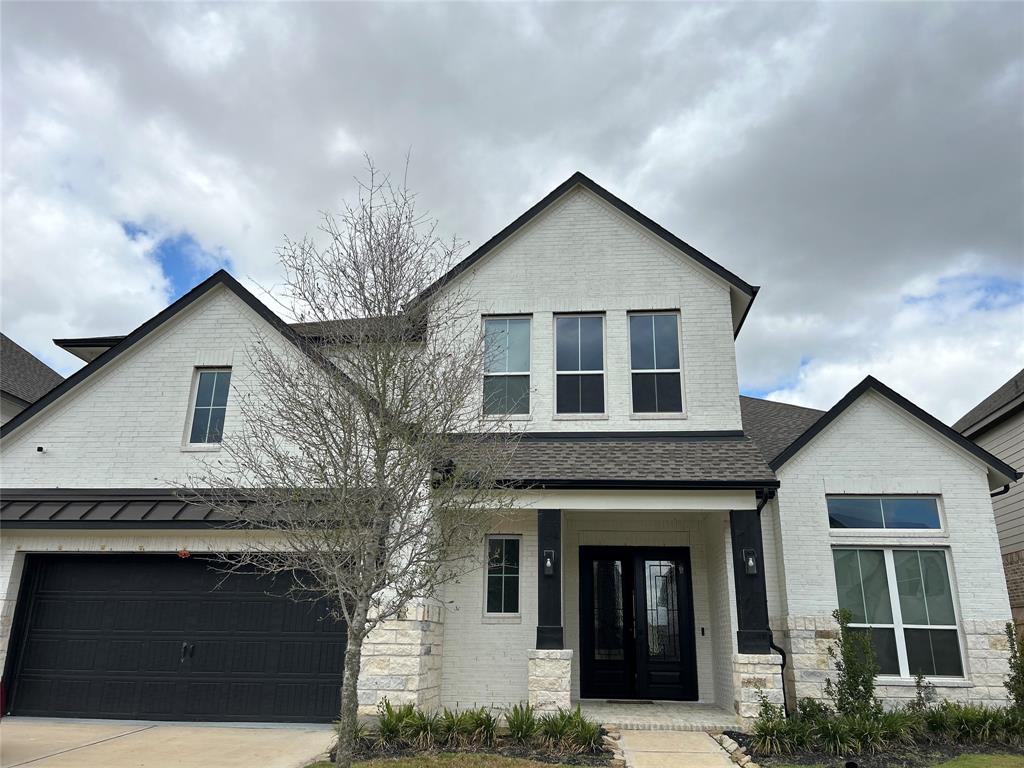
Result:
<point x="660" y="716"/>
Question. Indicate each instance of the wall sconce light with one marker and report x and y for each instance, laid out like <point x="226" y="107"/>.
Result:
<point x="750" y="562"/>
<point x="549" y="562"/>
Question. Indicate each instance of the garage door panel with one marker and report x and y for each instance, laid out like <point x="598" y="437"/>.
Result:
<point x="115" y="648"/>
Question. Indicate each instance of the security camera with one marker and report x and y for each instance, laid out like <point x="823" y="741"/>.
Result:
<point x="40" y="449"/>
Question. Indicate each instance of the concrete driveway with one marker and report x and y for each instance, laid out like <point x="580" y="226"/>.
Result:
<point x="46" y="743"/>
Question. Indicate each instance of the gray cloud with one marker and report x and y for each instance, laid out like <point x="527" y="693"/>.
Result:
<point x="843" y="156"/>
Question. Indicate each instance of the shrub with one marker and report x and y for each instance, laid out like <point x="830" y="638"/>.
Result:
<point x="522" y="724"/>
<point x="483" y="726"/>
<point x="865" y="734"/>
<point x="832" y="736"/>
<point x="555" y="728"/>
<point x="454" y="728"/>
<point x="900" y="727"/>
<point x="584" y="734"/>
<point x="770" y="732"/>
<point x="390" y="722"/>
<point x="853" y="691"/>
<point x="421" y="729"/>
<point x="1015" y="680"/>
<point x="813" y="710"/>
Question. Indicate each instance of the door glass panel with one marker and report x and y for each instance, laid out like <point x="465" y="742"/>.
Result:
<point x="608" y="613"/>
<point x="662" y="610"/>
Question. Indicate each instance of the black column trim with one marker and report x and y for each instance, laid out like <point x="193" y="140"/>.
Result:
<point x="550" y="634"/>
<point x="752" y="634"/>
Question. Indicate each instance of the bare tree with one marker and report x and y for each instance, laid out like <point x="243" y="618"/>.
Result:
<point x="362" y="464"/>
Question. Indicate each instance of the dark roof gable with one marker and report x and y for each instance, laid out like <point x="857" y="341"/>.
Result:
<point x="22" y="374"/>
<point x="221" y="277"/>
<point x="774" y="426"/>
<point x="873" y="384"/>
<point x="579" y="179"/>
<point x="970" y="424"/>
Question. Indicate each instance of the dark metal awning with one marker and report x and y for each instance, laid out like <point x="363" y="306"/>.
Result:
<point x="102" y="508"/>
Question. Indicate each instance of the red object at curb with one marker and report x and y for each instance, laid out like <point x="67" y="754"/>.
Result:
<point x="183" y="553"/>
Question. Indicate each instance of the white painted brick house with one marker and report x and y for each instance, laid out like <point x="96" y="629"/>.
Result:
<point x="678" y="541"/>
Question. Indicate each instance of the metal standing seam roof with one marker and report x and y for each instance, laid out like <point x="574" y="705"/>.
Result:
<point x="72" y="508"/>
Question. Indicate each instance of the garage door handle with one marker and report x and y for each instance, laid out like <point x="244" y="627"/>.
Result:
<point x="184" y="650"/>
<point x="192" y="650"/>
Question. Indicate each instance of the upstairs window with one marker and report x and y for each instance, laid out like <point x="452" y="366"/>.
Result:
<point x="902" y="598"/>
<point x="579" y="364"/>
<point x="884" y="512"/>
<point x="502" y="574"/>
<point x="506" y="365"/>
<point x="654" y="362"/>
<point x="210" y="404"/>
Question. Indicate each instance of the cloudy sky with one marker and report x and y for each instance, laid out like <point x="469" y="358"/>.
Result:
<point x="864" y="163"/>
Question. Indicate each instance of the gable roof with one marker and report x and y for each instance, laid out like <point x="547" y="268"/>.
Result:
<point x="1002" y="471"/>
<point x="742" y="291"/>
<point x="218" y="278"/>
<point x="774" y="426"/>
<point x="1000" y="405"/>
<point x="23" y="375"/>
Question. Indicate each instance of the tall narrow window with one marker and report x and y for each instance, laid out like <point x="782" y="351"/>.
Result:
<point x="579" y="364"/>
<point x="502" y="575"/>
<point x="209" y="407"/>
<point x="506" y="365"/>
<point x="654" y="362"/>
<point x="903" y="599"/>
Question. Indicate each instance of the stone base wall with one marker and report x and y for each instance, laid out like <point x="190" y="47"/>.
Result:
<point x="754" y="674"/>
<point x="402" y="661"/>
<point x="807" y="639"/>
<point x="549" y="678"/>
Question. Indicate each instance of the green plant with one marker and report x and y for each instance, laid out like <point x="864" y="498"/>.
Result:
<point x="899" y="727"/>
<point x="421" y="729"/>
<point x="813" y="710"/>
<point x="832" y="736"/>
<point x="390" y="722"/>
<point x="483" y="726"/>
<point x="1015" y="679"/>
<point x="972" y="724"/>
<point x="924" y="694"/>
<point x="865" y="734"/>
<point x="584" y="734"/>
<point x="797" y="733"/>
<point x="522" y="724"/>
<point x="454" y="728"/>
<point x="555" y="727"/>
<point x="853" y="690"/>
<point x="770" y="733"/>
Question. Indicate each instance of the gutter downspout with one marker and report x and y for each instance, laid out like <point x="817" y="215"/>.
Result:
<point x="769" y="494"/>
<point x="1000" y="492"/>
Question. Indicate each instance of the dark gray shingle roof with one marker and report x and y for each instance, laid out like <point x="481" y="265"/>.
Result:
<point x="1002" y="397"/>
<point x="665" y="461"/>
<point x="22" y="374"/>
<point x="774" y="426"/>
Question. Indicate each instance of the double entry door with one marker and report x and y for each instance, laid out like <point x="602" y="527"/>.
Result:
<point x="636" y="624"/>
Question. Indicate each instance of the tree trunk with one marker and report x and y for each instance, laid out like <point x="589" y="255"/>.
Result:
<point x="348" y="721"/>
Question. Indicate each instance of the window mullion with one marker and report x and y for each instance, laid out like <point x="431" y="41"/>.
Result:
<point x="897" y="613"/>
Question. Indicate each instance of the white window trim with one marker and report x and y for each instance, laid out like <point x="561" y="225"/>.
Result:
<point x="640" y="415"/>
<point x="502" y="617"/>
<point x="923" y="533"/>
<point x="897" y="613"/>
<point x="190" y="416"/>
<point x="588" y="415"/>
<point x="528" y="373"/>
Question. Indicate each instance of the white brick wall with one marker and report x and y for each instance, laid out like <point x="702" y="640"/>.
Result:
<point x="875" y="447"/>
<point x="583" y="255"/>
<point x="125" y="425"/>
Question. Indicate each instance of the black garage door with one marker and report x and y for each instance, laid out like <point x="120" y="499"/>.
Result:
<point x="166" y="638"/>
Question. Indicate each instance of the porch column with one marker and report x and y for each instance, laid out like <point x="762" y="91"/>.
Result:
<point x="751" y="591"/>
<point x="549" y="579"/>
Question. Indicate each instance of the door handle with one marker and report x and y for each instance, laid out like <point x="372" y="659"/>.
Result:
<point x="192" y="650"/>
<point x="184" y="650"/>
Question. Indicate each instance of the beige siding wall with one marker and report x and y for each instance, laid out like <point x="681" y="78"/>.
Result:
<point x="1006" y="441"/>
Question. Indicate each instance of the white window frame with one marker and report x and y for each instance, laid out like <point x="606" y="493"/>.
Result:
<point x="889" y="532"/>
<point x="186" y="444"/>
<point x="897" y="611"/>
<point x="528" y="373"/>
<point x="573" y="415"/>
<point x="515" y="617"/>
<point x="629" y="355"/>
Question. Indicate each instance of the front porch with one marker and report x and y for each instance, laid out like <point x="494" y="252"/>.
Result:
<point x="660" y="715"/>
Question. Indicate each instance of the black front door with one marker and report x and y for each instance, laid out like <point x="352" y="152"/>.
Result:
<point x="159" y="637"/>
<point x="636" y="624"/>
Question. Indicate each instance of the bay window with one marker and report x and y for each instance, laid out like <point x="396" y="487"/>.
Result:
<point x="903" y="599"/>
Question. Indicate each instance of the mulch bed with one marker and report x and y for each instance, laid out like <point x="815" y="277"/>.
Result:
<point x="503" y="747"/>
<point x="919" y="756"/>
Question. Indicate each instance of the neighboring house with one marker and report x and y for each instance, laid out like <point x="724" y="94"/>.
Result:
<point x="997" y="425"/>
<point x="674" y="535"/>
<point x="24" y="378"/>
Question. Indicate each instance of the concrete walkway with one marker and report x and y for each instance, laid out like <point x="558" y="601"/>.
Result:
<point x="672" y="749"/>
<point x="45" y="743"/>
